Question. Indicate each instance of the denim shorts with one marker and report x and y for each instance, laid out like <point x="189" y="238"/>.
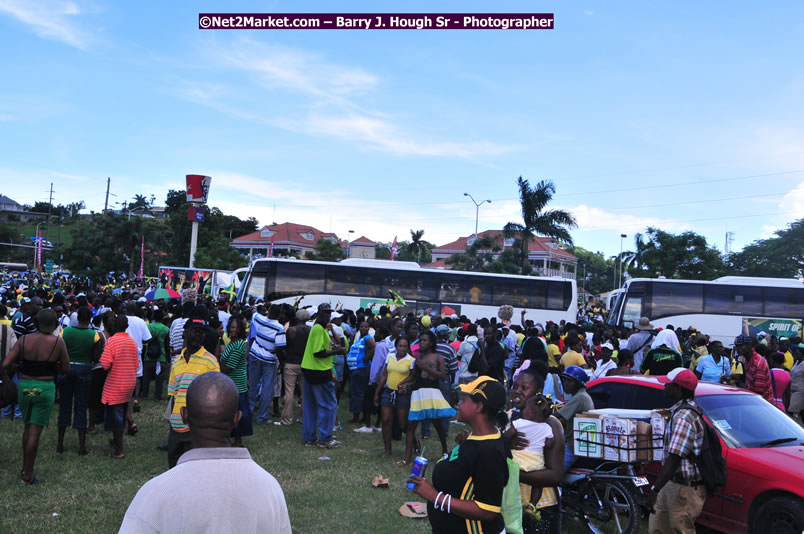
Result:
<point x="400" y="401"/>
<point x="114" y="417"/>
<point x="338" y="365"/>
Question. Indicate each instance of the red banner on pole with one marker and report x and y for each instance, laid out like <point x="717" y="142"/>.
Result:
<point x="142" y="258"/>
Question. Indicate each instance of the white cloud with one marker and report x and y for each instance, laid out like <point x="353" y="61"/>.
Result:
<point x="590" y="218"/>
<point x="332" y="95"/>
<point x="53" y="19"/>
<point x="383" y="135"/>
<point x="6" y="117"/>
<point x="278" y="66"/>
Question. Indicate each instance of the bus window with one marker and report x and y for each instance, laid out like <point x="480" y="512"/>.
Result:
<point x="465" y="290"/>
<point x="632" y="312"/>
<point x="784" y="302"/>
<point x="675" y="299"/>
<point x="296" y="279"/>
<point x="410" y="286"/>
<point x="343" y="280"/>
<point x="256" y="287"/>
<point x="519" y="293"/>
<point x="732" y="300"/>
<point x="556" y="296"/>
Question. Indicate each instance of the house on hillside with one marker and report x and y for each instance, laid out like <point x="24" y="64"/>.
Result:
<point x="544" y="254"/>
<point x="289" y="239"/>
<point x="11" y="210"/>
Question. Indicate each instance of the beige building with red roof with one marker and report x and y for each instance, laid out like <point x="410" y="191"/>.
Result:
<point x="362" y="247"/>
<point x="544" y="254"/>
<point x="289" y="239"/>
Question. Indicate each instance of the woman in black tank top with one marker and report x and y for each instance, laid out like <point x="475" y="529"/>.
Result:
<point x="41" y="355"/>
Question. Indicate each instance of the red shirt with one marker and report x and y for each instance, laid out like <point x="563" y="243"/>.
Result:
<point x="757" y="377"/>
<point x="121" y="358"/>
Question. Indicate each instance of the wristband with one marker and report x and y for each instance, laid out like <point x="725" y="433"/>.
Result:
<point x="449" y="504"/>
<point x="435" y="503"/>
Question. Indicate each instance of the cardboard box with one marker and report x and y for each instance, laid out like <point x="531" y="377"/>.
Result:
<point x="639" y="415"/>
<point x="658" y="420"/>
<point x="619" y="437"/>
<point x="644" y="442"/>
<point x="587" y="439"/>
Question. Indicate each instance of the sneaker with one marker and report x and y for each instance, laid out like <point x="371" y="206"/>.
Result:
<point x="363" y="430"/>
<point x="331" y="444"/>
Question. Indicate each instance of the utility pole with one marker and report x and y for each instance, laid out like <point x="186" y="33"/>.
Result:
<point x="106" y="204"/>
<point x="49" y="210"/>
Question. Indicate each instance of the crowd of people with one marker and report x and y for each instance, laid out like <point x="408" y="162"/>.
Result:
<point x="229" y="367"/>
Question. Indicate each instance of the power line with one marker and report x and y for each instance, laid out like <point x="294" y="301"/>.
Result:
<point x="709" y="200"/>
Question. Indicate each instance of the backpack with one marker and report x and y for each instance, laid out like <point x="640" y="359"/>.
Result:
<point x="476" y="361"/>
<point x="710" y="462"/>
<point x="154" y="350"/>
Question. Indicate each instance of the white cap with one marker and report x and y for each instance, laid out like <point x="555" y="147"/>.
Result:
<point x="762" y="334"/>
<point x="336" y="315"/>
<point x="607" y="345"/>
<point x="453" y="316"/>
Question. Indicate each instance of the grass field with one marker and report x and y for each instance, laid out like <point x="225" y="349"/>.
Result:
<point x="91" y="493"/>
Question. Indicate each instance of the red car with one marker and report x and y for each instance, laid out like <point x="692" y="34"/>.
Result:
<point x="763" y="448"/>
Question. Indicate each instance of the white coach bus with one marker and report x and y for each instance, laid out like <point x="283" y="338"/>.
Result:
<point x="722" y="308"/>
<point x="362" y="283"/>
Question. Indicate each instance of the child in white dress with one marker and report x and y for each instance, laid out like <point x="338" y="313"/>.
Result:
<point x="539" y="434"/>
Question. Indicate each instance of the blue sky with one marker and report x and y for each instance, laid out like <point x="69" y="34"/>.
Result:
<point x="680" y="115"/>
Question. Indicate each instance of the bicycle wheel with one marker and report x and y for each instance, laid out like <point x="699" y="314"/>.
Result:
<point x="622" y="514"/>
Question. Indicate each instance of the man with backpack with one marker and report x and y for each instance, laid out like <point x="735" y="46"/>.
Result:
<point x="677" y="497"/>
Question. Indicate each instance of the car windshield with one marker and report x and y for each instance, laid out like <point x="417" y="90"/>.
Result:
<point x="749" y="421"/>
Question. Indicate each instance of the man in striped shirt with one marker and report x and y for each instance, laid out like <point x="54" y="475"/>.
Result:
<point x="194" y="361"/>
<point x="757" y="372"/>
<point x="266" y="341"/>
<point x="121" y="358"/>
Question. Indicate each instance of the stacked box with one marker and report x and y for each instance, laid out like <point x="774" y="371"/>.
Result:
<point x="587" y="441"/>
<point x="658" y="419"/>
<point x="619" y="436"/>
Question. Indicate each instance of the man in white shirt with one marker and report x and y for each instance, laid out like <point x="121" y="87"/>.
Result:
<point x="139" y="332"/>
<point x="605" y="364"/>
<point x="223" y="489"/>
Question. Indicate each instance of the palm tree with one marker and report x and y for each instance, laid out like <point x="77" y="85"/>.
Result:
<point x="635" y="259"/>
<point x="536" y="219"/>
<point x="140" y="201"/>
<point x="416" y="244"/>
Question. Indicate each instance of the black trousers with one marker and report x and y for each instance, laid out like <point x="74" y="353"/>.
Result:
<point x="178" y="444"/>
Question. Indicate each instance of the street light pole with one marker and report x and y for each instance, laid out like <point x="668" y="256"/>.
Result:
<point x="622" y="236"/>
<point x="477" y="209"/>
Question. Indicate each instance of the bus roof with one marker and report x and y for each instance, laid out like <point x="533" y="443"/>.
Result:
<point x="407" y="266"/>
<point x="729" y="280"/>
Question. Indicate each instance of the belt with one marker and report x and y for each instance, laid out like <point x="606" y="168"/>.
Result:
<point x="678" y="480"/>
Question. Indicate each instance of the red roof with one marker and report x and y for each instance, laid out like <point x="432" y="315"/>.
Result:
<point x="363" y="240"/>
<point x="438" y="264"/>
<point x="284" y="234"/>
<point x="538" y="246"/>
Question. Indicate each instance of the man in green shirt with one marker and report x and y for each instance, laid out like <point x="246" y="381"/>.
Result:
<point x="160" y="337"/>
<point x="320" y="405"/>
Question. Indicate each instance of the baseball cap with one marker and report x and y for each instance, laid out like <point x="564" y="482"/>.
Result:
<point x="324" y="306"/>
<point x="783" y="339"/>
<point x="486" y="390"/>
<point x="680" y="376"/>
<point x="192" y="323"/>
<point x="336" y="315"/>
<point x="762" y="334"/>
<point x="142" y="299"/>
<point x="743" y="339"/>
<point x="442" y="329"/>
<point x="453" y="316"/>
<point x="607" y="346"/>
<point x="426" y="321"/>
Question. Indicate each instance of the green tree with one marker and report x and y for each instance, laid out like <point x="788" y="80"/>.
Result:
<point x="781" y="256"/>
<point x="686" y="256"/>
<point x="381" y="252"/>
<point x="478" y="256"/>
<point x="326" y="250"/>
<point x="418" y="247"/>
<point x="634" y="260"/>
<point x="218" y="254"/>
<point x="599" y="270"/>
<point x="537" y="219"/>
